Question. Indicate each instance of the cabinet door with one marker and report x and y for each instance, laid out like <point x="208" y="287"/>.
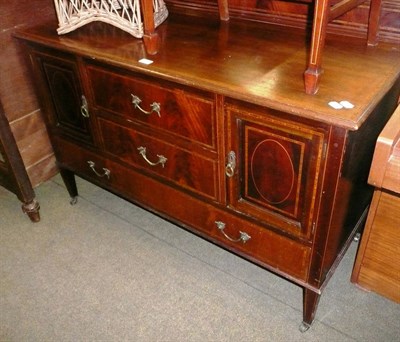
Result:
<point x="67" y="106"/>
<point x="275" y="168"/>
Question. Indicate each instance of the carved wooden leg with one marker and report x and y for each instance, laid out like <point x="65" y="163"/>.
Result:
<point x="32" y="210"/>
<point x="310" y="304"/>
<point x="314" y="70"/>
<point x="373" y="23"/>
<point x="70" y="183"/>
<point x="150" y="38"/>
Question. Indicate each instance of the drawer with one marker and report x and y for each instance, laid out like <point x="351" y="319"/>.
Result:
<point x="184" y="168"/>
<point x="84" y="162"/>
<point x="152" y="194"/>
<point x="164" y="106"/>
<point x="273" y="251"/>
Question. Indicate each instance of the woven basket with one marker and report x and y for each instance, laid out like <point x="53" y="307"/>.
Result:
<point x="124" y="14"/>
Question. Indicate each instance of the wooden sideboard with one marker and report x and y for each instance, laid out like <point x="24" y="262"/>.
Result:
<point x="377" y="266"/>
<point x="216" y="134"/>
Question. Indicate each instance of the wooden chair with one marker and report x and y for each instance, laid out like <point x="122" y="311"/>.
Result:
<point x="150" y="36"/>
<point x="324" y="12"/>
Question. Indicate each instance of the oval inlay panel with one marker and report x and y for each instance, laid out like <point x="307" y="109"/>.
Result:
<point x="272" y="171"/>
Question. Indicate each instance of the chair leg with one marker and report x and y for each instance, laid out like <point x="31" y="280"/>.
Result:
<point x="314" y="70"/>
<point x="223" y="10"/>
<point x="150" y="38"/>
<point x="373" y="21"/>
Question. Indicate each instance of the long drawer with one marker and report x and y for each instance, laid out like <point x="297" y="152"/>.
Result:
<point x="163" y="106"/>
<point x="271" y="250"/>
<point x="260" y="244"/>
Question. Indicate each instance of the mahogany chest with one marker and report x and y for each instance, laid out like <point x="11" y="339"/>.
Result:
<point x="215" y="133"/>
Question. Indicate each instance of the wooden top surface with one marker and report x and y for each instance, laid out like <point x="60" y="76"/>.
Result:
<point x="259" y="63"/>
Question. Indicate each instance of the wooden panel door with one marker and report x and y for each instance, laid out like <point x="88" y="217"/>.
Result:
<point x="278" y="169"/>
<point x="68" y="112"/>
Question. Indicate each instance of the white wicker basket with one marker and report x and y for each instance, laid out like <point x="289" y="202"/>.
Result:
<point x="124" y="14"/>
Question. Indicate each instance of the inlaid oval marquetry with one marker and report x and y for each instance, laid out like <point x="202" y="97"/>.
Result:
<point x="272" y="171"/>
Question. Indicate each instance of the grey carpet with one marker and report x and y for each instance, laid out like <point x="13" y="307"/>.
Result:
<point x="106" y="270"/>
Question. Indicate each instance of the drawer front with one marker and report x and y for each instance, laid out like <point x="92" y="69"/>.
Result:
<point x="185" y="169"/>
<point x="273" y="251"/>
<point x="136" y="187"/>
<point x="184" y="113"/>
<point x="84" y="162"/>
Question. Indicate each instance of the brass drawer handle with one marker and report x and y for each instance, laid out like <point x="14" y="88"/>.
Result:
<point x="244" y="237"/>
<point x="155" y="106"/>
<point x="84" y="107"/>
<point x="161" y="159"/>
<point x="231" y="164"/>
<point x="106" y="172"/>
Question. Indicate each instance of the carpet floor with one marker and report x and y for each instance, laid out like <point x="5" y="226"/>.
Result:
<point x="107" y="270"/>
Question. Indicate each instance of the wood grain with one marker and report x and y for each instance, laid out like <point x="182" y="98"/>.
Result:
<point x="378" y="267"/>
<point x="16" y="91"/>
<point x="299" y="14"/>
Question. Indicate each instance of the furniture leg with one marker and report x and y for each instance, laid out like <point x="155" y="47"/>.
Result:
<point x="70" y="183"/>
<point x="373" y="22"/>
<point x="32" y="210"/>
<point x="310" y="304"/>
<point x="13" y="174"/>
<point x="320" y="21"/>
<point x="150" y="38"/>
<point x="223" y="10"/>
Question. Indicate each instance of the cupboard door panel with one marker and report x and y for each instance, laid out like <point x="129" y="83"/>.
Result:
<point x="279" y="174"/>
<point x="69" y="113"/>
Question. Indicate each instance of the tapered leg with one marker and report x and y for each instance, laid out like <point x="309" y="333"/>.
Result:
<point x="151" y="39"/>
<point x="314" y="70"/>
<point x="310" y="304"/>
<point x="223" y="10"/>
<point x="70" y="183"/>
<point x="32" y="210"/>
<point x="373" y="23"/>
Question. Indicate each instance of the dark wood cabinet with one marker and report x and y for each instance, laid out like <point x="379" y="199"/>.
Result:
<point x="220" y="137"/>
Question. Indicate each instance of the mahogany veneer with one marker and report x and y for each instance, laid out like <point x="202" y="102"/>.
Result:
<point x="218" y="135"/>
